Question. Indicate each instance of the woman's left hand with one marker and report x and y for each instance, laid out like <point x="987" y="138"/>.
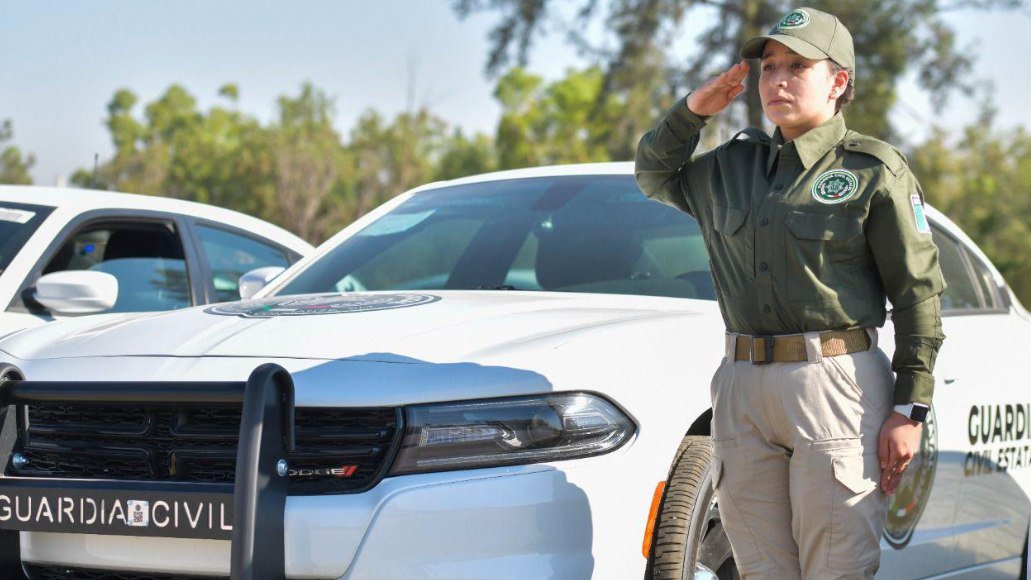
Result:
<point x="898" y="443"/>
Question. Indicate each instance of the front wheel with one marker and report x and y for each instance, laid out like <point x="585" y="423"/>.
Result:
<point x="689" y="541"/>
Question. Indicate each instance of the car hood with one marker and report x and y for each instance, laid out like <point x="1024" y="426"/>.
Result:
<point x="384" y="326"/>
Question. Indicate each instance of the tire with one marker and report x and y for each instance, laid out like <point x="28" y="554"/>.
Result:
<point x="688" y="541"/>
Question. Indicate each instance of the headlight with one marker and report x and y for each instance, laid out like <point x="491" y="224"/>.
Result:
<point x="509" y="431"/>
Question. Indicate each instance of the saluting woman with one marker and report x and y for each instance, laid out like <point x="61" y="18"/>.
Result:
<point x="808" y="233"/>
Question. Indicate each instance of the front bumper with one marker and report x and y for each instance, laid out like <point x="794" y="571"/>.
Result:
<point x="523" y="521"/>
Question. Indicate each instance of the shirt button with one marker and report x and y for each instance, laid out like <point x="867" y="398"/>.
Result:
<point x="767" y="308"/>
<point x="763" y="266"/>
<point x="766" y="221"/>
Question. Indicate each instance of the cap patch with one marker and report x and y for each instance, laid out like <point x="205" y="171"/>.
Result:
<point x="835" y="186"/>
<point x="795" y="19"/>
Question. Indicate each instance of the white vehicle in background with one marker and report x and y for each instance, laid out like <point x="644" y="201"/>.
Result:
<point x="68" y="252"/>
<point x="501" y="376"/>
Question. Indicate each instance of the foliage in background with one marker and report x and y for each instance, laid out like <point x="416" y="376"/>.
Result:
<point x="980" y="178"/>
<point x="14" y="168"/>
<point x="298" y="171"/>
<point x="645" y="67"/>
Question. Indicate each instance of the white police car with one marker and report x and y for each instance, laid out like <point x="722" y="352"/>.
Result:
<point x="67" y="252"/>
<point x="496" y="377"/>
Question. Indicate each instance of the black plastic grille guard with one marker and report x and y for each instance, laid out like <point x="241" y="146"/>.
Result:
<point x="266" y="435"/>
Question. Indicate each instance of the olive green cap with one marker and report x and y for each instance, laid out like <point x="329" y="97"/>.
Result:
<point x="812" y="34"/>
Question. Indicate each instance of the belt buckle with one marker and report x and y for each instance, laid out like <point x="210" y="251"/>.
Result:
<point x="767" y="349"/>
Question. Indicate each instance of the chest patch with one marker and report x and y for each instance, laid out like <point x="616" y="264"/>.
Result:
<point x="835" y="186"/>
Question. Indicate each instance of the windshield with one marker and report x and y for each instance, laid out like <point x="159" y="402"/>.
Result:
<point x="595" y="233"/>
<point x="17" y="222"/>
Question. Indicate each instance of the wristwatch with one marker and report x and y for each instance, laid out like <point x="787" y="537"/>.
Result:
<point x="913" y="411"/>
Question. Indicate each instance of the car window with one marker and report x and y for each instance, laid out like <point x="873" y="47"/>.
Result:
<point x="17" y="223"/>
<point x="961" y="292"/>
<point x="985" y="283"/>
<point x="424" y="259"/>
<point x="146" y="258"/>
<point x="231" y="255"/>
<point x="594" y="233"/>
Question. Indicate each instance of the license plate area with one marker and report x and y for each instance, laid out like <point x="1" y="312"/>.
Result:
<point x="170" y="510"/>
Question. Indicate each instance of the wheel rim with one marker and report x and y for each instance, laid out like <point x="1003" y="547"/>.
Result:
<point x="713" y="559"/>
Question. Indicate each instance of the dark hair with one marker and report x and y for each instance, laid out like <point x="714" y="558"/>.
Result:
<point x="849" y="95"/>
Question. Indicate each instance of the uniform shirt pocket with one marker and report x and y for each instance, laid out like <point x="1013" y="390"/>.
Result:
<point x="825" y="252"/>
<point x="730" y="250"/>
<point x="823" y="226"/>
<point x="728" y="220"/>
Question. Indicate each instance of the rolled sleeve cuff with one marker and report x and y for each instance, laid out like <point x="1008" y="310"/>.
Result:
<point x="913" y="387"/>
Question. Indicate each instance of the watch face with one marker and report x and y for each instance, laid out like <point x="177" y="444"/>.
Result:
<point x="919" y="413"/>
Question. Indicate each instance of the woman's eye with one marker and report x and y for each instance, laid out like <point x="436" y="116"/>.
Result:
<point x="767" y="67"/>
<point x="797" y="66"/>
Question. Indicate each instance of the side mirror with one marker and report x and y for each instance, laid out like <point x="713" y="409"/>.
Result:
<point x="257" y="279"/>
<point x="77" y="292"/>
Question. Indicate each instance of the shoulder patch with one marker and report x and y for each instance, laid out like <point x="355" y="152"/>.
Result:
<point x="892" y="158"/>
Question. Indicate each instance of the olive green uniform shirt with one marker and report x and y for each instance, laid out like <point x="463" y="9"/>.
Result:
<point x="809" y="235"/>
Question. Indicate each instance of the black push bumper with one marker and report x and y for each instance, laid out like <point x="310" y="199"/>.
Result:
<point x="257" y="495"/>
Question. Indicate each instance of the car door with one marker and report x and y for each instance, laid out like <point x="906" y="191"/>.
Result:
<point x="18" y="248"/>
<point x="953" y="512"/>
<point x="984" y="413"/>
<point x="227" y="253"/>
<point x="144" y="252"/>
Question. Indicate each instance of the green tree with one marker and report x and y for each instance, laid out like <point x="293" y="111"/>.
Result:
<point x="392" y="157"/>
<point x="980" y="179"/>
<point x="179" y="151"/>
<point x="308" y="160"/>
<point x="567" y="121"/>
<point x="463" y="156"/>
<point x="14" y="167"/>
<point x="893" y="37"/>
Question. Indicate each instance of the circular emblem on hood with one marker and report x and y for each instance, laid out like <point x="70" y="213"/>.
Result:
<point x="794" y="19"/>
<point x="907" y="504"/>
<point x="320" y="304"/>
<point x="835" y="186"/>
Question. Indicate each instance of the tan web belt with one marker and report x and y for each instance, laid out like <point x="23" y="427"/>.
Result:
<point x="791" y="347"/>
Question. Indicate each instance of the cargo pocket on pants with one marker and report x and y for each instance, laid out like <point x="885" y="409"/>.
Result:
<point x="857" y="510"/>
<point x="742" y="543"/>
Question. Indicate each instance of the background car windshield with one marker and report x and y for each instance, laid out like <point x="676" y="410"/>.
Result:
<point x="17" y="222"/>
<point x="596" y="234"/>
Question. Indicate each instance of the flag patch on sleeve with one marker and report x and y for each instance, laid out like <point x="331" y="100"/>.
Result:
<point x="918" y="212"/>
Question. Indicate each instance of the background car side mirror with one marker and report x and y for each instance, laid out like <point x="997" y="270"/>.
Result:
<point x="257" y="279"/>
<point x="77" y="292"/>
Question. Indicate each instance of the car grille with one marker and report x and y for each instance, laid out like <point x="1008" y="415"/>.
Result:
<point x="36" y="572"/>
<point x="337" y="450"/>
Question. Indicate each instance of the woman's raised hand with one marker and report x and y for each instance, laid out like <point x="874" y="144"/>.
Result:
<point x="715" y="95"/>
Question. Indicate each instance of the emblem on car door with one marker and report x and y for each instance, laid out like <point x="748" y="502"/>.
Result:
<point x="907" y="504"/>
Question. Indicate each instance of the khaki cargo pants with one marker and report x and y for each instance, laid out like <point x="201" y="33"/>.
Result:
<point x="795" y="462"/>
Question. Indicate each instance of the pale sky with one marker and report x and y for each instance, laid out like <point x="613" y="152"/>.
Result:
<point x="64" y="61"/>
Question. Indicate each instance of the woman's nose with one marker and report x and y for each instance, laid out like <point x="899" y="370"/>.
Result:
<point x="778" y="79"/>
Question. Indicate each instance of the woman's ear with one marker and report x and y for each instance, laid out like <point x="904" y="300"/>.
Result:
<point x="841" y="79"/>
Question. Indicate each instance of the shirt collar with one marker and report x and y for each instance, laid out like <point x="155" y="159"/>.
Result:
<point x="811" y="145"/>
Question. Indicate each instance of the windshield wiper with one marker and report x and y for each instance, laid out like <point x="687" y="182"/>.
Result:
<point x="502" y="287"/>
